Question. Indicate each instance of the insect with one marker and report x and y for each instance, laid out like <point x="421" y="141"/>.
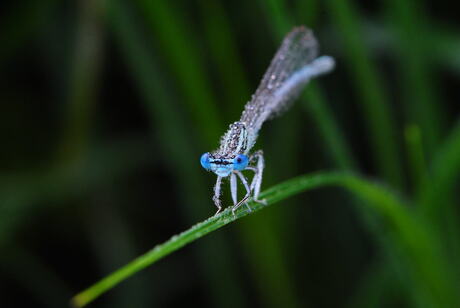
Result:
<point x="295" y="63"/>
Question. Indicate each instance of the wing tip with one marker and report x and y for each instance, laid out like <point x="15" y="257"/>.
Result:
<point x="302" y="30"/>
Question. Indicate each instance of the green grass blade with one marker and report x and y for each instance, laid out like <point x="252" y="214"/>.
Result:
<point x="377" y="282"/>
<point x="84" y="80"/>
<point x="413" y="236"/>
<point x="308" y="12"/>
<point x="416" y="155"/>
<point x="279" y="21"/>
<point x="183" y="55"/>
<point x="447" y="42"/>
<point x="273" y="195"/>
<point x="368" y="83"/>
<point x="224" y="52"/>
<point x="410" y="24"/>
<point x="336" y="145"/>
<point x="437" y="197"/>
<point x="445" y="170"/>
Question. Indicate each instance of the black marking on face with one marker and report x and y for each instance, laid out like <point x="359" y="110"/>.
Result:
<point x="221" y="162"/>
<point x="218" y="159"/>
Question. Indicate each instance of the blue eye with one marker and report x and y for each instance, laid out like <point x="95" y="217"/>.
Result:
<point x="204" y="160"/>
<point x="240" y="162"/>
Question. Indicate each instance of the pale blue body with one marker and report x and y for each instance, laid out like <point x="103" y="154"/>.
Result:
<point x="294" y="64"/>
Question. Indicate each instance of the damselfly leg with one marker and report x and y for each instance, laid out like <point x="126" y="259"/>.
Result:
<point x="248" y="192"/>
<point x="216" y="197"/>
<point x="258" y="172"/>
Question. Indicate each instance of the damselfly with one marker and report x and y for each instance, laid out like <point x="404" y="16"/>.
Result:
<point x="294" y="65"/>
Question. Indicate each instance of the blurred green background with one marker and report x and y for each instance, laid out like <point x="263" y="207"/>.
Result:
<point x="106" y="107"/>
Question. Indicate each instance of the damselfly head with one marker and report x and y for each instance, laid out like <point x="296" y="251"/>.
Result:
<point x="223" y="166"/>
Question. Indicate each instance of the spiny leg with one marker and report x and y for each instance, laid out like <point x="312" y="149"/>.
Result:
<point x="257" y="180"/>
<point x="233" y="188"/>
<point x="216" y="197"/>
<point x="248" y="192"/>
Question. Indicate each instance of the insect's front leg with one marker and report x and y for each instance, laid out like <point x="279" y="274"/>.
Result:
<point x="216" y="197"/>
<point x="234" y="188"/>
<point x="258" y="170"/>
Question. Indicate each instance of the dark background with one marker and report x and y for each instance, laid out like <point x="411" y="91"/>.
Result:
<point x="106" y="107"/>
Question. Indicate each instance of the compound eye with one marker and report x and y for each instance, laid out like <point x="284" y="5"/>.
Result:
<point x="204" y="160"/>
<point x="240" y="162"/>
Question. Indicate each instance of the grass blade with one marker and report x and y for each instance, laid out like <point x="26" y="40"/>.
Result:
<point x="445" y="169"/>
<point x="419" y="96"/>
<point x="368" y="83"/>
<point x="415" y="153"/>
<point x="335" y="143"/>
<point x="437" y="198"/>
<point x="172" y="32"/>
<point x="84" y="80"/>
<point x="273" y="195"/>
<point x="225" y="56"/>
<point x="415" y="240"/>
<point x="308" y="11"/>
